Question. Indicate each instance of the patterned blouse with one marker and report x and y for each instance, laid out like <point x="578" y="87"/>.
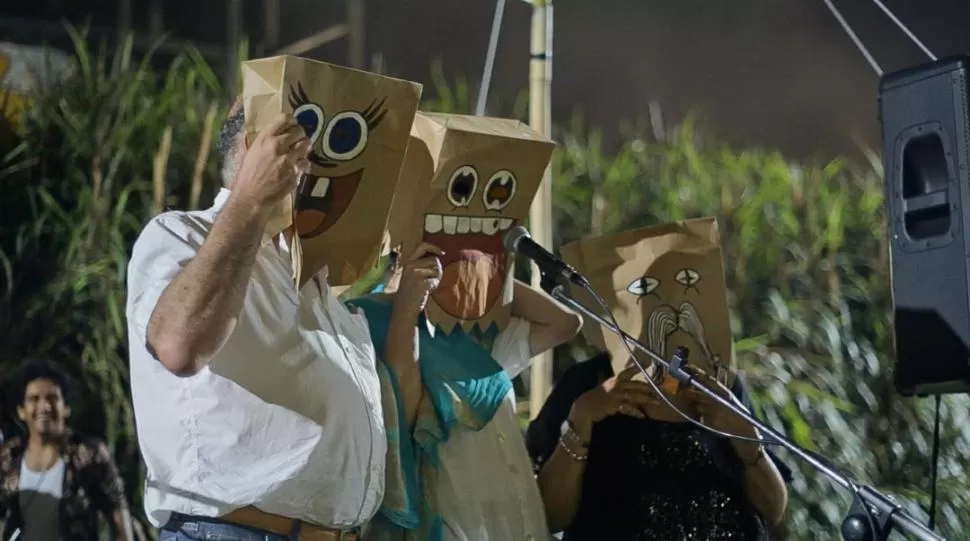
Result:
<point x="647" y="479"/>
<point x="91" y="484"/>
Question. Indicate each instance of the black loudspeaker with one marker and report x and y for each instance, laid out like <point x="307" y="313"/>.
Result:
<point x="926" y="151"/>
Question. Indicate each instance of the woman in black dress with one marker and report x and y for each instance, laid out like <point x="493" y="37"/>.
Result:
<point x="614" y="463"/>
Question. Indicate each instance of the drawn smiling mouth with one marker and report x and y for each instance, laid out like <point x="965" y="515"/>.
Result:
<point x="475" y="262"/>
<point x="322" y="201"/>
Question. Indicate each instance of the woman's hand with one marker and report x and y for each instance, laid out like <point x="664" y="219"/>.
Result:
<point x="420" y="275"/>
<point x="719" y="417"/>
<point x="619" y="394"/>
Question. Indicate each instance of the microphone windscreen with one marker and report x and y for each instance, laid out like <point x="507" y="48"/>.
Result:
<point x="513" y="236"/>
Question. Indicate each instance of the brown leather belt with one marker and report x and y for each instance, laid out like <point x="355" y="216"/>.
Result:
<point x="251" y="517"/>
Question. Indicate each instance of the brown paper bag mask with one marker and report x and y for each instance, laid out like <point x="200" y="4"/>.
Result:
<point x="665" y="286"/>
<point x="358" y="123"/>
<point x="472" y="179"/>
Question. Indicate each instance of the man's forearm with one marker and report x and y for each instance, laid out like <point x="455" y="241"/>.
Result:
<point x="197" y="311"/>
<point x="401" y="355"/>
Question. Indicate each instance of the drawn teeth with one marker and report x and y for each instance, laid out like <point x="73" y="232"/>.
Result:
<point x="432" y="223"/>
<point x="450" y="223"/>
<point x="490" y="226"/>
<point x="460" y="225"/>
<point x="321" y="187"/>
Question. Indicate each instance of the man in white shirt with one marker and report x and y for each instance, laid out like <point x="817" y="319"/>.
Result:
<point x="257" y="402"/>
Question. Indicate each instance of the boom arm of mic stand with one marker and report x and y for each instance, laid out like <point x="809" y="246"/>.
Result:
<point x="883" y="507"/>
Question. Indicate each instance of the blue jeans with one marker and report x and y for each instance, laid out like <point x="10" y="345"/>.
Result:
<point x="185" y="528"/>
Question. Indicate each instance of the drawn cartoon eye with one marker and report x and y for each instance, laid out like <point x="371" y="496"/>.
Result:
<point x="310" y="117"/>
<point x="462" y="186"/>
<point x="346" y="136"/>
<point x="499" y="190"/>
<point x="643" y="286"/>
<point x="687" y="277"/>
<point x="307" y="114"/>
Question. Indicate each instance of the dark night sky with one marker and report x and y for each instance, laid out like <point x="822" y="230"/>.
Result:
<point x="778" y="73"/>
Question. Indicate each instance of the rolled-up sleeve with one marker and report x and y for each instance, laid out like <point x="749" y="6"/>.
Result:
<point x="511" y="347"/>
<point x="163" y="249"/>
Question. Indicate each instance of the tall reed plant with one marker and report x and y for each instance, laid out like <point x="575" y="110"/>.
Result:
<point x="98" y="154"/>
<point x="806" y="259"/>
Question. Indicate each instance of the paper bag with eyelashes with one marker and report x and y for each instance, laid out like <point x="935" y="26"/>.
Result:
<point x="665" y="286"/>
<point x="469" y="180"/>
<point x="358" y="123"/>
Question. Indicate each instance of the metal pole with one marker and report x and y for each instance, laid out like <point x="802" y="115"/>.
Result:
<point x="355" y="21"/>
<point x="156" y="20"/>
<point x="124" y="20"/>
<point x="271" y="25"/>
<point x="490" y="58"/>
<point x="233" y="41"/>
<point x="540" y="215"/>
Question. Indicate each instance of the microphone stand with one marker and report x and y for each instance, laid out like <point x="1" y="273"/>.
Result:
<point x="872" y="516"/>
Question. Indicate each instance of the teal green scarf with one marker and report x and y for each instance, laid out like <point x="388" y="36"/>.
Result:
<point x="464" y="387"/>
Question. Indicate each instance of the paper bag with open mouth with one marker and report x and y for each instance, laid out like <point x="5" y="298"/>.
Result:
<point x="358" y="123"/>
<point x="665" y="286"/>
<point x="472" y="178"/>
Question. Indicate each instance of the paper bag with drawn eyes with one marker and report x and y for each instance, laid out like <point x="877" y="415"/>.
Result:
<point x="469" y="179"/>
<point x="665" y="286"/>
<point x="358" y="123"/>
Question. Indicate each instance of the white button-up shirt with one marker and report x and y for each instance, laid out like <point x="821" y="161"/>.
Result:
<point x="286" y="416"/>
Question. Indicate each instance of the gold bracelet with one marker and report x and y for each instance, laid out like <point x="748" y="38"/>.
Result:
<point x="570" y="452"/>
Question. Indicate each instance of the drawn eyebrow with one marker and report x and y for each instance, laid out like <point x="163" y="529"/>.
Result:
<point x="298" y="96"/>
<point x="374" y="113"/>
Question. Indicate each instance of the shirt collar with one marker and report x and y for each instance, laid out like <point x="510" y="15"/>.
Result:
<point x="322" y="276"/>
<point x="221" y="198"/>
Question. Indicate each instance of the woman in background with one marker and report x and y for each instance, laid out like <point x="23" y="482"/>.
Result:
<point x="608" y="470"/>
<point x="613" y="460"/>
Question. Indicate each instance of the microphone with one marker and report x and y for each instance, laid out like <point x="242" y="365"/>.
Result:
<point x="518" y="240"/>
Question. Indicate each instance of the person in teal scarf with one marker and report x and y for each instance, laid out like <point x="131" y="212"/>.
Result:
<point x="457" y="464"/>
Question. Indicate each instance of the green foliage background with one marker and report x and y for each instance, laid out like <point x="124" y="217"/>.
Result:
<point x="805" y="249"/>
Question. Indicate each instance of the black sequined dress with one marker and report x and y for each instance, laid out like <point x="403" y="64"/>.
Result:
<point x="649" y="480"/>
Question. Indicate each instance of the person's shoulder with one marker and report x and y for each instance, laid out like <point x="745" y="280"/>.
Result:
<point x="12" y="446"/>
<point x="178" y="224"/>
<point x="91" y="448"/>
<point x="584" y="375"/>
<point x="594" y="368"/>
<point x="170" y="232"/>
<point x="373" y="305"/>
<point x="517" y="328"/>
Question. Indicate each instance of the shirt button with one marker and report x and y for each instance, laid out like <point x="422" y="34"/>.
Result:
<point x="501" y="438"/>
<point x="513" y="468"/>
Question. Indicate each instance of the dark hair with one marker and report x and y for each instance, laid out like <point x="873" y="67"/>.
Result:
<point x="39" y="369"/>
<point x="227" y="144"/>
